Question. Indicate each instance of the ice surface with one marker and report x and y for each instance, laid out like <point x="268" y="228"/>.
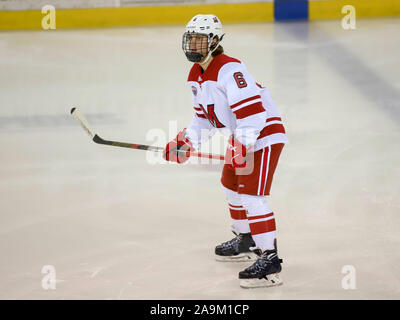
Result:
<point x="116" y="227"/>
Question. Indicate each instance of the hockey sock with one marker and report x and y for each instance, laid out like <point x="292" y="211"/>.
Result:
<point x="261" y="220"/>
<point x="238" y="213"/>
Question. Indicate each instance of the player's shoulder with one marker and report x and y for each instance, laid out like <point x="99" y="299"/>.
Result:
<point x="222" y="60"/>
<point x="214" y="70"/>
<point x="230" y="67"/>
<point x="220" y="65"/>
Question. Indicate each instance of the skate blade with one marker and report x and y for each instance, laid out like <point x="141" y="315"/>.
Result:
<point x="241" y="257"/>
<point x="272" y="280"/>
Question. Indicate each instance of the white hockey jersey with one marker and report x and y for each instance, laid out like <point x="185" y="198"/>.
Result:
<point x="226" y="98"/>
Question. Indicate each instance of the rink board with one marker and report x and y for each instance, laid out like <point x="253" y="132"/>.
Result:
<point x="364" y="9"/>
<point x="170" y="15"/>
<point x="158" y="15"/>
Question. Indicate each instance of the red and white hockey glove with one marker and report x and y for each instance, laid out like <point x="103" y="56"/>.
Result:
<point x="180" y="143"/>
<point x="235" y="153"/>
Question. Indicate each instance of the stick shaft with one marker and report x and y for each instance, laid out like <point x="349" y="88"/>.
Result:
<point x="96" y="138"/>
<point x="99" y="140"/>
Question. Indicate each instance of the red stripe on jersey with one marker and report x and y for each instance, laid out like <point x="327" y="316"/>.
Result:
<point x="249" y="110"/>
<point x="245" y="100"/>
<point x="212" y="70"/>
<point x="238" y="214"/>
<point x="273" y="128"/>
<point x="274" y="119"/>
<point x="262" y="227"/>
<point x="261" y="216"/>
<point x="197" y="109"/>
<point x="201" y="116"/>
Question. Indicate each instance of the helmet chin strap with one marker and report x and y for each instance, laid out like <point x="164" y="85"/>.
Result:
<point x="208" y="56"/>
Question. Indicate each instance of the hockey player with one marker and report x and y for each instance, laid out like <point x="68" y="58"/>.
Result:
<point x="227" y="98"/>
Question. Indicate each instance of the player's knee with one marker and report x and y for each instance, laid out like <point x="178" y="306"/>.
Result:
<point x="253" y="203"/>
<point x="231" y="196"/>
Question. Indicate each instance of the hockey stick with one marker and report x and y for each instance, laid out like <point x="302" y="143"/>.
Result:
<point x="96" y="138"/>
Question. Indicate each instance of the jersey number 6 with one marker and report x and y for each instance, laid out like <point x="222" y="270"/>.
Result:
<point x="241" y="83"/>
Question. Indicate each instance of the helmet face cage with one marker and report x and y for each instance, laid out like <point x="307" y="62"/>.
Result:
<point x="194" y="45"/>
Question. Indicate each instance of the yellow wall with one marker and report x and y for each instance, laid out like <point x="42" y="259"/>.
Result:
<point x="364" y="8"/>
<point x="129" y="16"/>
<point x="228" y="13"/>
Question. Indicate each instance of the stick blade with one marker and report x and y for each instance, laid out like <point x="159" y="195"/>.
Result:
<point x="83" y="122"/>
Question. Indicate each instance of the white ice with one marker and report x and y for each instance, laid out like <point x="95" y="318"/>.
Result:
<point x="115" y="226"/>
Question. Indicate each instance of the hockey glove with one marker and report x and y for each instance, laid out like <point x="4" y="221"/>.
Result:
<point x="180" y="143"/>
<point x="235" y="154"/>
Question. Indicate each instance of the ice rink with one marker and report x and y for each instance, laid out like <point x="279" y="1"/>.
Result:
<point x="115" y="226"/>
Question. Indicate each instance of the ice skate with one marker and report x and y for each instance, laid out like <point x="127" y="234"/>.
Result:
<point x="237" y="249"/>
<point x="264" y="272"/>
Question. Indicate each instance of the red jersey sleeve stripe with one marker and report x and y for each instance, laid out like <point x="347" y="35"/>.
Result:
<point x="197" y="109"/>
<point x="245" y="100"/>
<point x="249" y="110"/>
<point x="234" y="206"/>
<point x="201" y="116"/>
<point x="271" y="129"/>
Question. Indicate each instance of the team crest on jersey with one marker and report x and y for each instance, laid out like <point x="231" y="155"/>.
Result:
<point x="194" y="90"/>
<point x="215" y="19"/>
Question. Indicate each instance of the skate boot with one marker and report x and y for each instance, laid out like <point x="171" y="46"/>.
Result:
<point x="237" y="249"/>
<point x="263" y="272"/>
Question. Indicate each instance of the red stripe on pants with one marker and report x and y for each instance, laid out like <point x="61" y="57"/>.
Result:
<point x="249" y="183"/>
<point x="264" y="170"/>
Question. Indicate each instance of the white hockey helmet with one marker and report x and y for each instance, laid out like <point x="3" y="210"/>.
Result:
<point x="205" y="24"/>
